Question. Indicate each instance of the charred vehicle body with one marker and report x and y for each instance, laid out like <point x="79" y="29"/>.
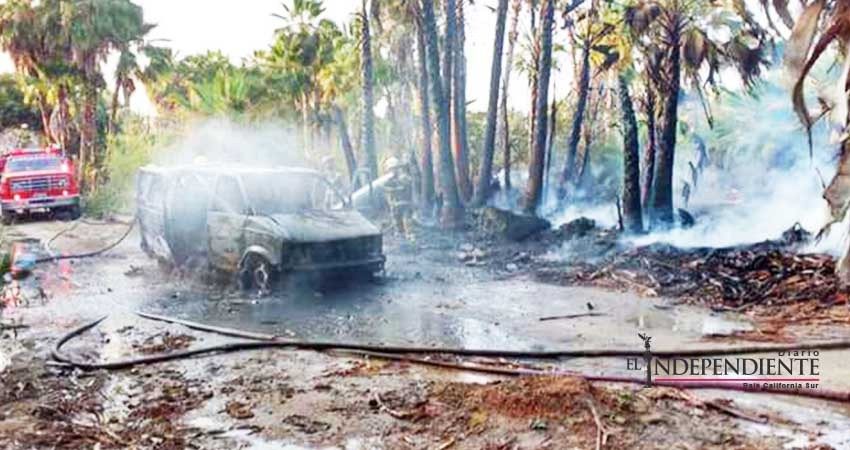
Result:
<point x="257" y="223"/>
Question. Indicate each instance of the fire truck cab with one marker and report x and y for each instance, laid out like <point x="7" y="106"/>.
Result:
<point x="37" y="180"/>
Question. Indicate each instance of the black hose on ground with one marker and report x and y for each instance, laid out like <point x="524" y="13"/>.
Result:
<point x="262" y="341"/>
<point x="88" y="254"/>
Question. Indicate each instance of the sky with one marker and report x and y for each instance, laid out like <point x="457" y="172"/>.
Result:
<point x="237" y="28"/>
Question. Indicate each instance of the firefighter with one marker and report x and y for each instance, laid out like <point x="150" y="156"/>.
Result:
<point x="335" y="179"/>
<point x="399" y="193"/>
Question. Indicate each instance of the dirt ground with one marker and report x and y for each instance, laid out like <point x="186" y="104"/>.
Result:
<point x="456" y="290"/>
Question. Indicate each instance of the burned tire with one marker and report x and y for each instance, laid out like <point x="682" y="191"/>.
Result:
<point x="256" y="275"/>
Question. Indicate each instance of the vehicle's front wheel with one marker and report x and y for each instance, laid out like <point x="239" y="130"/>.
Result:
<point x="256" y="274"/>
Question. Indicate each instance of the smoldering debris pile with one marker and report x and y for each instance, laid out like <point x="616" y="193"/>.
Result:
<point x="735" y="278"/>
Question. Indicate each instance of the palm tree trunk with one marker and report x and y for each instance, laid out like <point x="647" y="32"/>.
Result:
<point x="459" y="99"/>
<point x="427" y="163"/>
<point x="305" y="122"/>
<point x="502" y="127"/>
<point x="485" y="170"/>
<point x="45" y="110"/>
<point x="534" y="75"/>
<point x="568" y="173"/>
<point x="538" y="154"/>
<point x="113" y="110"/>
<point x="632" y="213"/>
<point x="648" y="162"/>
<point x="661" y="203"/>
<point x="347" y="149"/>
<point x="62" y="104"/>
<point x="550" y="144"/>
<point x="368" y="114"/>
<point x="88" y="153"/>
<point x="452" y="211"/>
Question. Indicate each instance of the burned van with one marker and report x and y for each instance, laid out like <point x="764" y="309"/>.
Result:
<point x="254" y="222"/>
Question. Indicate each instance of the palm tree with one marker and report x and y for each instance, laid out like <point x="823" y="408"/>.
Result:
<point x="502" y="138"/>
<point x="367" y="112"/>
<point x="538" y="152"/>
<point x="821" y="24"/>
<point x="578" y="118"/>
<point x="686" y="50"/>
<point x="459" y="106"/>
<point x="96" y="28"/>
<point x="303" y="45"/>
<point x="28" y="34"/>
<point x="632" y="212"/>
<point x="426" y="190"/>
<point x="337" y="80"/>
<point x="486" y="168"/>
<point x="648" y="159"/>
<point x="452" y="210"/>
<point x="125" y="69"/>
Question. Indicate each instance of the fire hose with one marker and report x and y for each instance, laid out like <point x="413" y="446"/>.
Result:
<point x="419" y="355"/>
<point x="90" y="254"/>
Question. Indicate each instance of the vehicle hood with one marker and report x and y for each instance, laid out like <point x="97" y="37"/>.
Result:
<point x="324" y="226"/>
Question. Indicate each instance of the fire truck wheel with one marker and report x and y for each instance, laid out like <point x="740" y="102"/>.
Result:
<point x="75" y="212"/>
<point x="8" y="218"/>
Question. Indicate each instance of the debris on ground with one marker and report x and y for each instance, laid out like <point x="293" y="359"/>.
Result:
<point x="768" y="274"/>
<point x="165" y="342"/>
<point x="509" y="225"/>
<point x="576" y="228"/>
<point x="239" y="410"/>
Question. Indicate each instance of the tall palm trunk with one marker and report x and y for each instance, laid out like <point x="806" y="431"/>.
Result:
<point x="347" y="149"/>
<point x="568" y="173"/>
<point x="113" y="109"/>
<point x="661" y="203"/>
<point x="534" y="73"/>
<point x="550" y="143"/>
<point x="632" y="214"/>
<point x="459" y="108"/>
<point x="502" y="127"/>
<point x="538" y="153"/>
<point x="305" y="122"/>
<point x="426" y="191"/>
<point x="62" y="104"/>
<point x="88" y="134"/>
<point x="44" y="109"/>
<point x="648" y="162"/>
<point x="486" y="168"/>
<point x="367" y="100"/>
<point x="452" y="211"/>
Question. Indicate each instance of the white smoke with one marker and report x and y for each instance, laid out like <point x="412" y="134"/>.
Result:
<point x="761" y="180"/>
<point x="222" y="141"/>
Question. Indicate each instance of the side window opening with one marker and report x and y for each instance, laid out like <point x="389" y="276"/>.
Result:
<point x="228" y="197"/>
<point x="155" y="192"/>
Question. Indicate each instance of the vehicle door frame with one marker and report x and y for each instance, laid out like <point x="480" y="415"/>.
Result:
<point x="217" y="224"/>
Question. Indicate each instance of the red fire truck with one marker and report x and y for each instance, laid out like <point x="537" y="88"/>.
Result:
<point x="33" y="180"/>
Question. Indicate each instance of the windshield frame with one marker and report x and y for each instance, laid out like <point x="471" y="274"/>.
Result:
<point x="12" y="163"/>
